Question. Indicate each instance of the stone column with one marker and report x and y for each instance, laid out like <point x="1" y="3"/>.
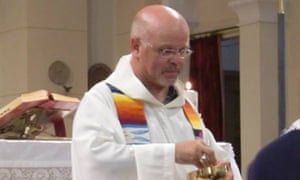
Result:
<point x="258" y="75"/>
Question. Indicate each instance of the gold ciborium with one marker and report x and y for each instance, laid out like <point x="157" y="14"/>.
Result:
<point x="208" y="173"/>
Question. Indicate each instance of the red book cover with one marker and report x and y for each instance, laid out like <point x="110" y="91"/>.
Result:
<point x="22" y="103"/>
<point x="60" y="102"/>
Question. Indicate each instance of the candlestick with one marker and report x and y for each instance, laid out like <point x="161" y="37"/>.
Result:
<point x="192" y="95"/>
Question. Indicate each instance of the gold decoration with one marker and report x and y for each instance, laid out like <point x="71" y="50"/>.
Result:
<point x="208" y="173"/>
<point x="281" y="6"/>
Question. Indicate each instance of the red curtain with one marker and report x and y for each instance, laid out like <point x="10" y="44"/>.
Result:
<point x="206" y="78"/>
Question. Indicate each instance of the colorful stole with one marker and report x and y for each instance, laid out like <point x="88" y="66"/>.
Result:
<point x="131" y="117"/>
<point x="133" y="121"/>
<point x="194" y="119"/>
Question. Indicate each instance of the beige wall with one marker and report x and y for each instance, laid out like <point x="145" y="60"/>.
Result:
<point x="41" y="32"/>
<point x="13" y="39"/>
<point x="101" y="32"/>
<point x="35" y="33"/>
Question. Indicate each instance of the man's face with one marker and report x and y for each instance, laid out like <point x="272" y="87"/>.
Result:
<point x="159" y="45"/>
<point x="162" y="61"/>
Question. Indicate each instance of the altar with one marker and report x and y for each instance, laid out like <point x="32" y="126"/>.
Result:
<point x="35" y="160"/>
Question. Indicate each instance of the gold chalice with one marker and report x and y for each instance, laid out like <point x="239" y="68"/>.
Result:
<point x="208" y="173"/>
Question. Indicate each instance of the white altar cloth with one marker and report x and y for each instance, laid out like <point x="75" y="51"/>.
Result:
<point x="35" y="160"/>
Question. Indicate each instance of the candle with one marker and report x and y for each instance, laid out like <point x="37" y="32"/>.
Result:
<point x="192" y="95"/>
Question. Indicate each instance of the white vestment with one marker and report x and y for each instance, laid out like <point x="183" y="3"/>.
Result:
<point x="99" y="149"/>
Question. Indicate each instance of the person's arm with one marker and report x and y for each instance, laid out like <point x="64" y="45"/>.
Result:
<point x="222" y="153"/>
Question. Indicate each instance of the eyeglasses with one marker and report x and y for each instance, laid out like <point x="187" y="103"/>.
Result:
<point x="171" y="52"/>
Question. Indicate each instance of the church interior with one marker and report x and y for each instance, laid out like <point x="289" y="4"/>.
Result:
<point x="65" y="47"/>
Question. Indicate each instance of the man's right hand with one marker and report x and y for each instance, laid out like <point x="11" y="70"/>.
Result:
<point x="190" y="152"/>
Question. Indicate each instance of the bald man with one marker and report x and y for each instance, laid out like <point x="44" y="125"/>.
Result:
<point x="137" y="124"/>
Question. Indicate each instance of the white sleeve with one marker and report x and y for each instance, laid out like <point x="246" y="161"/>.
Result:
<point x="99" y="150"/>
<point x="223" y="151"/>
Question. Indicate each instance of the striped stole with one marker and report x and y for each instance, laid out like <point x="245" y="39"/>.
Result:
<point x="133" y="121"/>
<point x="194" y="119"/>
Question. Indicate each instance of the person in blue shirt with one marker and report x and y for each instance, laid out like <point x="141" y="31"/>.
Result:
<point x="279" y="160"/>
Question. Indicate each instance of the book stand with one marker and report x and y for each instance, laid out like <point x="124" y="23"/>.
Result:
<point x="33" y="122"/>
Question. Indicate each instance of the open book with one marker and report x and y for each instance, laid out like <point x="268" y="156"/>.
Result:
<point x="31" y="113"/>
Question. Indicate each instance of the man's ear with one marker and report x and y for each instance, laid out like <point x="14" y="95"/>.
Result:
<point x="135" y="44"/>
